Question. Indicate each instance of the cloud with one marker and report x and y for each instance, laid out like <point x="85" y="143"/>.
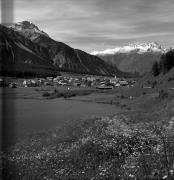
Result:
<point x="96" y="24"/>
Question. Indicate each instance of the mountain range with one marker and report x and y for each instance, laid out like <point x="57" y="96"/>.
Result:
<point x="136" y="57"/>
<point x="24" y="47"/>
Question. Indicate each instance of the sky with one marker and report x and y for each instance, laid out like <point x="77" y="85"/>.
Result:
<point x="93" y="25"/>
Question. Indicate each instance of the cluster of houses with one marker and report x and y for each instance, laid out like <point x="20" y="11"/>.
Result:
<point x="3" y="83"/>
<point x="82" y="81"/>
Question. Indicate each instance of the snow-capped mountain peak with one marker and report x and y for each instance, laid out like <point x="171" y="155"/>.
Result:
<point x="133" y="47"/>
<point x="28" y="29"/>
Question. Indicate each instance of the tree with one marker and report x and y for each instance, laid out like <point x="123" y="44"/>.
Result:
<point x="167" y="62"/>
<point x="170" y="60"/>
<point x="155" y="69"/>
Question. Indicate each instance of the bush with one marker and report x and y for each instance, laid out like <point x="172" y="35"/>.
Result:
<point x="163" y="94"/>
<point x="46" y="94"/>
<point x="122" y="97"/>
<point x="154" y="83"/>
<point x="69" y="94"/>
<point x="171" y="79"/>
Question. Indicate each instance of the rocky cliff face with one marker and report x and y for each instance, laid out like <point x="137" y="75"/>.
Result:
<point x="25" y="43"/>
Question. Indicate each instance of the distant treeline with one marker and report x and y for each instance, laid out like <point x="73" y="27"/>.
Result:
<point x="33" y="70"/>
<point x="27" y="74"/>
<point x="23" y="71"/>
<point x="165" y="64"/>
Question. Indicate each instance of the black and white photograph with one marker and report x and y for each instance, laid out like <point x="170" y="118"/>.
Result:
<point x="87" y="90"/>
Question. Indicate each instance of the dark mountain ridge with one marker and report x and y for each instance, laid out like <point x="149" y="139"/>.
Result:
<point x="20" y="56"/>
<point x="23" y="44"/>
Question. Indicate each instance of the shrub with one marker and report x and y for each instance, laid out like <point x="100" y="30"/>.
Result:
<point x="171" y="79"/>
<point x="46" y="94"/>
<point x="122" y="96"/>
<point x="69" y="94"/>
<point x="163" y="94"/>
<point x="154" y="83"/>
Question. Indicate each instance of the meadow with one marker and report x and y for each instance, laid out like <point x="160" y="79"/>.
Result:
<point x="135" y="140"/>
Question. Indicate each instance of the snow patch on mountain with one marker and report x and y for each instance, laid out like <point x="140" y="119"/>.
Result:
<point x="26" y="27"/>
<point x="139" y="48"/>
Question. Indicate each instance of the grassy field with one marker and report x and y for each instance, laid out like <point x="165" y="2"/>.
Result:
<point x="136" y="143"/>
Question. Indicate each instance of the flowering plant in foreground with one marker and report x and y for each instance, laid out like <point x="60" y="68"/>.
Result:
<point x="99" y="148"/>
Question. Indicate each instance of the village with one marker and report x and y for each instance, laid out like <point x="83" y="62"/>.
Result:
<point x="99" y="82"/>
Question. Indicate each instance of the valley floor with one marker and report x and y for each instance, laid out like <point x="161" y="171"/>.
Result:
<point x="130" y="137"/>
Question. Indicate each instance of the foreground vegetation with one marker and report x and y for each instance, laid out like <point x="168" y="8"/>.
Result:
<point x="97" y="148"/>
<point x="66" y="93"/>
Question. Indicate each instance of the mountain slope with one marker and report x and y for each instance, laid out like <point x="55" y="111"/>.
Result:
<point x="134" y="57"/>
<point x="165" y="76"/>
<point x="61" y="55"/>
<point x="20" y="55"/>
<point x="163" y="81"/>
